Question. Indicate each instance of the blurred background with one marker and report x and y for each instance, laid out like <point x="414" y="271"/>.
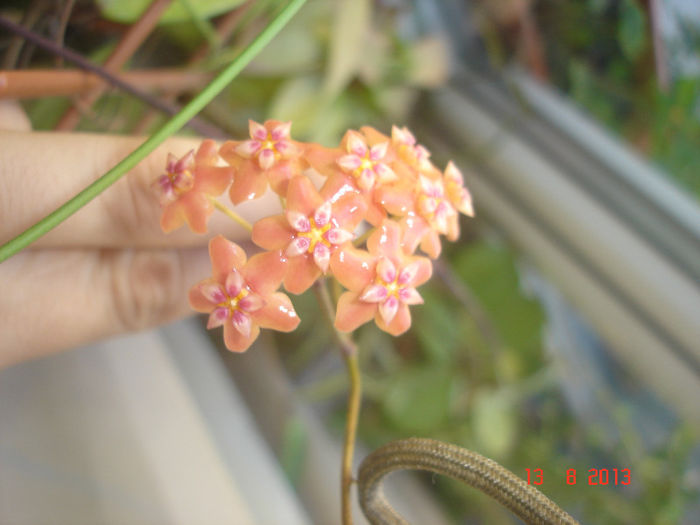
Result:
<point x="562" y="331"/>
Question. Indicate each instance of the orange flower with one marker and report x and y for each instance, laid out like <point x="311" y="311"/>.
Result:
<point x="434" y="202"/>
<point x="186" y="186"/>
<point x="381" y="282"/>
<point x="313" y="227"/>
<point x="242" y="296"/>
<point x="269" y="157"/>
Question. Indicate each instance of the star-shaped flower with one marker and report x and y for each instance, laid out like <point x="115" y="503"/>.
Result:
<point x="310" y="230"/>
<point x="269" y="157"/>
<point x="242" y="296"/>
<point x="381" y="282"/>
<point x="186" y="186"/>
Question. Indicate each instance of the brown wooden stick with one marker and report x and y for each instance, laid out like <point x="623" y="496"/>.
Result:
<point x="125" y="49"/>
<point x="37" y="83"/>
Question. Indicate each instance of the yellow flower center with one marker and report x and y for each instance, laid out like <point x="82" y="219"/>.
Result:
<point x="315" y="234"/>
<point x="366" y="164"/>
<point x="185" y="182"/>
<point x="232" y="302"/>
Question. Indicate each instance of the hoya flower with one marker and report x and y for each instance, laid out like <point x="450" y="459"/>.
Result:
<point x="312" y="228"/>
<point x="242" y="294"/>
<point x="366" y="164"/>
<point x="187" y="185"/>
<point x="269" y="157"/>
<point x="434" y="202"/>
<point x="381" y="282"/>
<point x="413" y="153"/>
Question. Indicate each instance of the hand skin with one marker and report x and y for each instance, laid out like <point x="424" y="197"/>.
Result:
<point x="108" y="269"/>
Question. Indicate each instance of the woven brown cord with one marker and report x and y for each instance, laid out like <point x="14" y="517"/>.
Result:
<point x="524" y="500"/>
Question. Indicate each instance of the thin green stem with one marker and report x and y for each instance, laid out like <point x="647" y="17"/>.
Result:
<point x="169" y="128"/>
<point x="348" y="350"/>
<point x="231" y="214"/>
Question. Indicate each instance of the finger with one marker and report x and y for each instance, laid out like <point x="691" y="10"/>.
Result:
<point x="13" y="117"/>
<point x="58" y="299"/>
<point x="40" y="171"/>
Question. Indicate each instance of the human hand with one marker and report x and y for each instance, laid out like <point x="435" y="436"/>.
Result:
<point x="108" y="269"/>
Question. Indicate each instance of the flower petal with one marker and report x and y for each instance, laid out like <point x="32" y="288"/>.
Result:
<point x="213" y="292"/>
<point x="217" y="317"/>
<point x="302" y="196"/>
<point x="198" y="302"/>
<point x="374" y="293"/>
<point x="212" y="180"/>
<point x="234" y="284"/>
<point x="366" y="180"/>
<point x="257" y="131"/>
<point x="322" y="256"/>
<point x="281" y="131"/>
<point x="248" y="183"/>
<point x="323" y="214"/>
<point x="355" y="144"/>
<point x="286" y="148"/>
<point x="410" y="296"/>
<point x="264" y="272"/>
<point x="298" y="221"/>
<point x="352" y="312"/>
<point x="236" y="341"/>
<point x="402" y="135"/>
<point x="225" y="256"/>
<point x="277" y="314"/>
<point x="384" y="173"/>
<point x="251" y="303"/>
<point x="378" y="151"/>
<point x="298" y="246"/>
<point x="266" y="159"/>
<point x="338" y="236"/>
<point x="388" y="309"/>
<point x="248" y="148"/>
<point x="386" y="270"/>
<point x="430" y="244"/>
<point x="386" y="239"/>
<point x="242" y="323"/>
<point x="349" y="162"/>
<point x="272" y="233"/>
<point x="353" y="268"/>
<point x="302" y="273"/>
<point x="399" y="324"/>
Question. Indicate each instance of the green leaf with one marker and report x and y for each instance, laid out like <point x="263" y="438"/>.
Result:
<point x="494" y="423"/>
<point x="350" y="29"/>
<point x="418" y="398"/>
<point x="128" y="11"/>
<point x="632" y="30"/>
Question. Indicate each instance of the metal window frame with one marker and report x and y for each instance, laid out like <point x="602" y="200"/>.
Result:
<point x="612" y="232"/>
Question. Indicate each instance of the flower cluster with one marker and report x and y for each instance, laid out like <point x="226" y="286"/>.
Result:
<point x="384" y="186"/>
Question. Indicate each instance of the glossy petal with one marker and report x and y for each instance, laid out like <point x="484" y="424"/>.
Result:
<point x="353" y="268"/>
<point x="384" y="173"/>
<point x="197" y="300"/>
<point x="430" y="244"/>
<point x="322" y="256"/>
<point x="302" y="273"/>
<point x="257" y="131"/>
<point x="266" y="159"/>
<point x="248" y="183"/>
<point x="242" y="323"/>
<point x="350" y="162"/>
<point x="213" y="180"/>
<point x="397" y="199"/>
<point x="225" y="256"/>
<point x="408" y="273"/>
<point x="272" y="233"/>
<point x="213" y="292"/>
<point x="386" y="270"/>
<point x="352" y="312"/>
<point x="298" y="221"/>
<point x="386" y="239"/>
<point x="248" y="148"/>
<point x="410" y="296"/>
<point x="355" y="144"/>
<point x="338" y="236"/>
<point x="388" y="309"/>
<point x="302" y="196"/>
<point x="298" y="246"/>
<point x="277" y="314"/>
<point x="217" y="318"/>
<point x="422" y="270"/>
<point x="349" y="210"/>
<point x="323" y="214"/>
<point x="234" y="284"/>
<point x="281" y="131"/>
<point x="322" y="159"/>
<point x="399" y="324"/>
<point x="374" y="293"/>
<point x="265" y="271"/>
<point x="237" y="342"/>
<point x="251" y="303"/>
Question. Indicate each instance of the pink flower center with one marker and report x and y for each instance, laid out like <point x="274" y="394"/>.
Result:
<point x="181" y="181"/>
